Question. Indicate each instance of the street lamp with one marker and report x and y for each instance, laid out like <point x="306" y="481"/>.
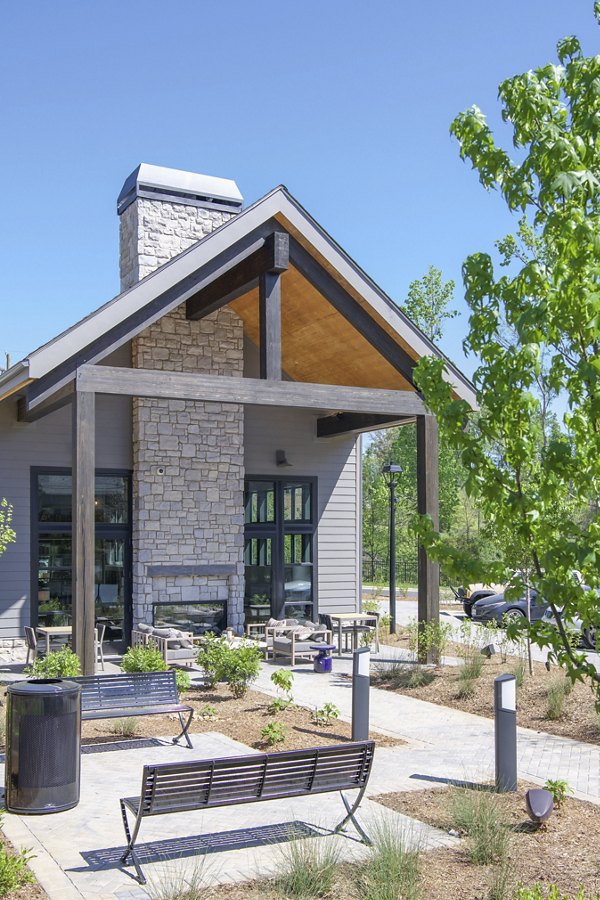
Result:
<point x="391" y="473"/>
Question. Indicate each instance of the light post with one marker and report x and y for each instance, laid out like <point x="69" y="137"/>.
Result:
<point x="391" y="473"/>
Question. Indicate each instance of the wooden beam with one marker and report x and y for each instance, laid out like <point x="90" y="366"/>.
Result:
<point x="252" y="391"/>
<point x="57" y="401"/>
<point x="269" y="310"/>
<point x="428" y="600"/>
<point x="273" y="256"/>
<point x="355" y="423"/>
<point x="348" y="307"/>
<point x="83" y="513"/>
<point x="114" y="337"/>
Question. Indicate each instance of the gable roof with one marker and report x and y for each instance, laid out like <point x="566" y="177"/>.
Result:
<point x="123" y="317"/>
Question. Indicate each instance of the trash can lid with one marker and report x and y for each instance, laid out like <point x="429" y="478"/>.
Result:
<point x="45" y="686"/>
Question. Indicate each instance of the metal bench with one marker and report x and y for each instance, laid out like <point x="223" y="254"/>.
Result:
<point x="134" y="694"/>
<point x="226" y="781"/>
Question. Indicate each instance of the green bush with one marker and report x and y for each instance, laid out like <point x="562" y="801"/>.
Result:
<point x="144" y="659"/>
<point x="283" y="680"/>
<point x="211" y="657"/>
<point x="326" y="715"/>
<point x="519" y="670"/>
<point x="14" y="872"/>
<point x="274" y="733"/>
<point x="560" y="790"/>
<point x="241" y="667"/>
<point x="149" y="659"/>
<point x="58" y="664"/>
<point x="478" y="814"/>
<point x="537" y="893"/>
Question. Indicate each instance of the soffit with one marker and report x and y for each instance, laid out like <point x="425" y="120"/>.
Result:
<point x="319" y="345"/>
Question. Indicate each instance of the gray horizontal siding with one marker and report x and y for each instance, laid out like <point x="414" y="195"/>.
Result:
<point x="333" y="462"/>
<point x="46" y="442"/>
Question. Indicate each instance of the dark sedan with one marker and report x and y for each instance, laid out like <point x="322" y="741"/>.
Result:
<point x="498" y="609"/>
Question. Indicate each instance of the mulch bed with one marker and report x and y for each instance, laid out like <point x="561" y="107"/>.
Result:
<point x="579" y="719"/>
<point x="215" y="709"/>
<point x="566" y="853"/>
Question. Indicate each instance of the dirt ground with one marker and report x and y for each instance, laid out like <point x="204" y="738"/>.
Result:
<point x="579" y="719"/>
<point x="215" y="709"/>
<point x="566" y="853"/>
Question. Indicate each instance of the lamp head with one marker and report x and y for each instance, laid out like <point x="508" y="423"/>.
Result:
<point x="392" y="469"/>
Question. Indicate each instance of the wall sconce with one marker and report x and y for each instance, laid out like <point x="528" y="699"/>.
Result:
<point x="281" y="458"/>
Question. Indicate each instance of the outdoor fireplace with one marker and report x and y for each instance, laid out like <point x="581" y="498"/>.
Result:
<point x="198" y="616"/>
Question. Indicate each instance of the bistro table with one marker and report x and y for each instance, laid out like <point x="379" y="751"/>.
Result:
<point x="50" y="631"/>
<point x="355" y="619"/>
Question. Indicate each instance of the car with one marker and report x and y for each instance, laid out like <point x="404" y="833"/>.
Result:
<point x="590" y="635"/>
<point x="497" y="608"/>
<point x="477" y="592"/>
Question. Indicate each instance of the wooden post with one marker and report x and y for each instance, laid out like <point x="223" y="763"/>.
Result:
<point x="428" y="504"/>
<point x="269" y="301"/>
<point x="83" y="551"/>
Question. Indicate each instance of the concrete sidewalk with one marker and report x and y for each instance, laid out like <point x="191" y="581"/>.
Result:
<point x="443" y="743"/>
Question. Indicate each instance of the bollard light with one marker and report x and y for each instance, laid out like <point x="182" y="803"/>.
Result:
<point x="505" y="717"/>
<point x="361" y="683"/>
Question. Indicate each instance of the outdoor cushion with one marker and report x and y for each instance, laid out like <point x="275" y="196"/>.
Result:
<point x="146" y="629"/>
<point x="276" y="623"/>
<point x="163" y="632"/>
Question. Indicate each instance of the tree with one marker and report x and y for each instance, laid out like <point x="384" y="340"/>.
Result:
<point x="550" y="296"/>
<point x="7" y="535"/>
<point x="427" y="303"/>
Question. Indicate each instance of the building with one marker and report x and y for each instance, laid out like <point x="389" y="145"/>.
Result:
<point x="191" y="450"/>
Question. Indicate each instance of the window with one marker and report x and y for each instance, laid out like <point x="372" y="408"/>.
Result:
<point x="278" y="553"/>
<point x="52" y="544"/>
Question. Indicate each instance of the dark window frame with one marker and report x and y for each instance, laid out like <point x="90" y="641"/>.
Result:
<point x="277" y="529"/>
<point x="102" y="530"/>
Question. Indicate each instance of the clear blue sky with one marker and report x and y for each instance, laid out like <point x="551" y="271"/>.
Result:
<point x="347" y="104"/>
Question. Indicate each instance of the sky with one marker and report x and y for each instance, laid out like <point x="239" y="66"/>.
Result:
<point x="348" y="104"/>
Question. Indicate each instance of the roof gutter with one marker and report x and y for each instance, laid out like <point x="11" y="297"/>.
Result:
<point x="14" y="379"/>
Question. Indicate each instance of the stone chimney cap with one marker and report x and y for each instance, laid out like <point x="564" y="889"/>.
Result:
<point x="177" y="186"/>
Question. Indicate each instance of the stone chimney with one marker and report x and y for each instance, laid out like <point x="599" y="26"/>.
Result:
<point x="188" y="477"/>
<point x="164" y="211"/>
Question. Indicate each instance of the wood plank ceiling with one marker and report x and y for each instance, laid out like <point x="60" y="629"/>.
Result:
<point x="318" y="344"/>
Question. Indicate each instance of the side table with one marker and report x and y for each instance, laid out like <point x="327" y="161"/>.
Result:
<point x="322" y="661"/>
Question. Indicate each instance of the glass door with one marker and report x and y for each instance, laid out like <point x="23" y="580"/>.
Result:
<point x="278" y="553"/>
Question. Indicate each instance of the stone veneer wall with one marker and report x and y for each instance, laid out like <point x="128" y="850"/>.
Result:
<point x="193" y="513"/>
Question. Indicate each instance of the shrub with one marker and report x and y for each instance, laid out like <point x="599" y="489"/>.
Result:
<point x="148" y="658"/>
<point x="555" y="698"/>
<point x="274" y="733"/>
<point x="143" y="659"/>
<point x="283" y="680"/>
<point x="307" y="868"/>
<point x="500" y="880"/>
<point x="124" y="727"/>
<point x="182" y="680"/>
<point x="211" y="657"/>
<point x="326" y="715"/>
<point x="470" y="652"/>
<point x="560" y="789"/>
<point x="241" y="666"/>
<point x="393" y="869"/>
<point x="478" y="814"/>
<point x="172" y="884"/>
<point x="58" y="664"/>
<point x="466" y="685"/>
<point x="537" y="893"/>
<point x="14" y="872"/>
<point x="208" y="712"/>
<point x="279" y="704"/>
<point x="370" y="605"/>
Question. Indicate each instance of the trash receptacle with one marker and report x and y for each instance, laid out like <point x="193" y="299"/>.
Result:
<point x="43" y="737"/>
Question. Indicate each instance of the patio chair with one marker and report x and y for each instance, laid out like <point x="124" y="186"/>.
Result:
<point x="30" y="643"/>
<point x="297" y="642"/>
<point x="98" y="643"/>
<point x="348" y="631"/>
<point x="177" y="647"/>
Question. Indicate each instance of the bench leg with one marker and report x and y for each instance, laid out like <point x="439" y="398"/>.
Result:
<point x="351" y="810"/>
<point x="184" y="730"/>
<point x="130" y="842"/>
